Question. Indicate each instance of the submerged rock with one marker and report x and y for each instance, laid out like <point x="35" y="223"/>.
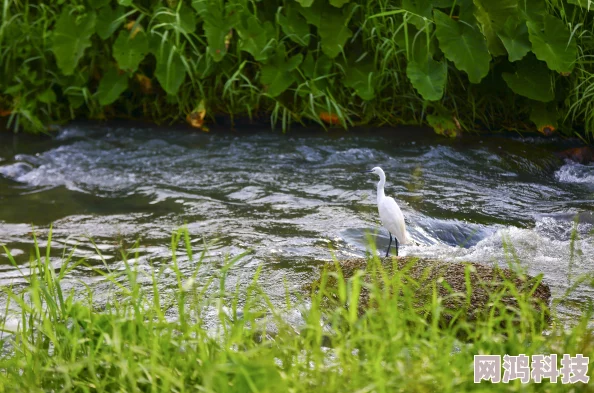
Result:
<point x="583" y="155"/>
<point x="467" y="288"/>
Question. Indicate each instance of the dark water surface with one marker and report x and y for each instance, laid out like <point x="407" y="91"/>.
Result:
<point x="293" y="199"/>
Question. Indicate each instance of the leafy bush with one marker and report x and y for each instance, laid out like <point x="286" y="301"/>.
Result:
<point x="458" y="64"/>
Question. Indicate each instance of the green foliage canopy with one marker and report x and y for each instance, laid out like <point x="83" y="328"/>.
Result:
<point x="356" y="60"/>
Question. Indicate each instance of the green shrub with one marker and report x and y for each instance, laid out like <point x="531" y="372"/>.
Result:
<point x="456" y="64"/>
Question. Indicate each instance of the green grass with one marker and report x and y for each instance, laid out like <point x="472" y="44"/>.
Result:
<point x="65" y="343"/>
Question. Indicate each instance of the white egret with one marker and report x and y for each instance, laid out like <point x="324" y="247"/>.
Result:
<point x="389" y="212"/>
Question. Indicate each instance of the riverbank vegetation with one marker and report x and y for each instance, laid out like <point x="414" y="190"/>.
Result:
<point x="198" y="334"/>
<point x="456" y="65"/>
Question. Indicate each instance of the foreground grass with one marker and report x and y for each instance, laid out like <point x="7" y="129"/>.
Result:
<point x="64" y="343"/>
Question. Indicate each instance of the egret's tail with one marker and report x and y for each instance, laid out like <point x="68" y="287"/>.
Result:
<point x="407" y="238"/>
<point x="411" y="241"/>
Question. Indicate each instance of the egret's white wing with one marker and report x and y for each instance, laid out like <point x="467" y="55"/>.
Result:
<point x="392" y="219"/>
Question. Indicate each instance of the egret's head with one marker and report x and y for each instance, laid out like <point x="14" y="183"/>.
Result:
<point x="377" y="170"/>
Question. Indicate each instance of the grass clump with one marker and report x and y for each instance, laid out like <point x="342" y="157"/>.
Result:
<point x="151" y="338"/>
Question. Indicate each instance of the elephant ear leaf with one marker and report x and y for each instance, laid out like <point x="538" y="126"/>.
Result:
<point x="98" y="3"/>
<point x="552" y="43"/>
<point x="533" y="10"/>
<point x="47" y="96"/>
<point x="332" y="24"/>
<point x="464" y="45"/>
<point x="217" y="25"/>
<point x="294" y="26"/>
<point x="428" y="78"/>
<point x="71" y="36"/>
<point x="362" y="78"/>
<point x="111" y="86"/>
<point x="255" y="37"/>
<point x="338" y="3"/>
<point x="492" y="16"/>
<point x="277" y="74"/>
<point x="170" y="70"/>
<point x="544" y="116"/>
<point x="108" y="21"/>
<point x="532" y="79"/>
<point x="419" y="10"/>
<point x="316" y="70"/>
<point x="130" y="49"/>
<point x="182" y="19"/>
<point x="514" y="36"/>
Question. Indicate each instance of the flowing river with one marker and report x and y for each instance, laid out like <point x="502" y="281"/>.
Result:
<point x="293" y="199"/>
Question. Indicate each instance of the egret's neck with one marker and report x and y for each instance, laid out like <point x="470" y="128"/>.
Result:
<point x="380" y="187"/>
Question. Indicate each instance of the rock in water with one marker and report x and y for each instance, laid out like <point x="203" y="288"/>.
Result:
<point x="467" y="290"/>
<point x="583" y="155"/>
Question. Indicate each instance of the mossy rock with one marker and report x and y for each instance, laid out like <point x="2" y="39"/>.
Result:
<point x="465" y="291"/>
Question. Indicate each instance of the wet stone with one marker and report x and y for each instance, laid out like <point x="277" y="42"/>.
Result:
<point x="471" y="287"/>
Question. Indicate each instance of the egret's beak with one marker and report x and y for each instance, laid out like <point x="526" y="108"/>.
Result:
<point x="368" y="171"/>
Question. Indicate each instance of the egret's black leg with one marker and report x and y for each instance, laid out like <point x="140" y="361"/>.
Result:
<point x="389" y="244"/>
<point x="396" y="240"/>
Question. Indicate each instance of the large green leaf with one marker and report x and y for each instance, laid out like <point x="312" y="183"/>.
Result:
<point x="419" y="9"/>
<point x="155" y="41"/>
<point x="463" y="45"/>
<point x="316" y="70"/>
<point x="531" y="79"/>
<point x="47" y="96"/>
<point x="332" y="26"/>
<point x="428" y="78"/>
<point x="255" y="37"/>
<point x="111" y="86"/>
<point x="443" y="123"/>
<point x="544" y="116"/>
<point x="552" y="42"/>
<point x="313" y="68"/>
<point x="78" y="79"/>
<point x="277" y="74"/>
<point x="130" y="49"/>
<point x="419" y="50"/>
<point x="533" y="10"/>
<point x="76" y="99"/>
<point x="466" y="12"/>
<point x="338" y="3"/>
<point x="294" y="26"/>
<point x="72" y="35"/>
<point x="514" y="36"/>
<point x="182" y="19"/>
<point x="217" y="25"/>
<point x="98" y="3"/>
<point x="499" y="10"/>
<point x="305" y="3"/>
<point x="362" y="77"/>
<point x="108" y="21"/>
<point x="170" y="71"/>
<point x="492" y="15"/>
<point x="444" y="3"/>
<point x="74" y="87"/>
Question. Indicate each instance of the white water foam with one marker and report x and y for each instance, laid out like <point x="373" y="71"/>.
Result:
<point x="573" y="172"/>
